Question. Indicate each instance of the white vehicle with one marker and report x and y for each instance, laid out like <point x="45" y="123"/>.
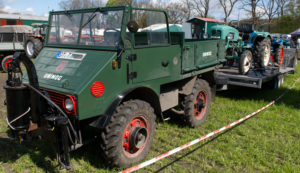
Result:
<point x="12" y="39"/>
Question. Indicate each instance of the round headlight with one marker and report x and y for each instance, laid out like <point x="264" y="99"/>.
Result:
<point x="69" y="104"/>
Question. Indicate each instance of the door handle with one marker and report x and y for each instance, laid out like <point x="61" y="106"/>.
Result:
<point x="165" y="63"/>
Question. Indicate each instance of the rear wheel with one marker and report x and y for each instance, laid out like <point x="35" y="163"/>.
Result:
<point x="33" y="46"/>
<point x="6" y="62"/>
<point x="197" y="104"/>
<point x="245" y="62"/>
<point x="263" y="51"/>
<point x="129" y="135"/>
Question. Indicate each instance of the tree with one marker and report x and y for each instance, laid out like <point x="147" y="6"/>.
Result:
<point x="119" y="2"/>
<point x="176" y="13"/>
<point x="281" y="6"/>
<point x="187" y="8"/>
<point x="252" y="7"/>
<point x="270" y="8"/>
<point x="201" y="7"/>
<point x="293" y="7"/>
<point x="134" y="3"/>
<point x="227" y="6"/>
<point x="78" y="4"/>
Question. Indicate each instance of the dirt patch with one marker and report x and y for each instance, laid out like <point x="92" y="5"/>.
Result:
<point x="298" y="80"/>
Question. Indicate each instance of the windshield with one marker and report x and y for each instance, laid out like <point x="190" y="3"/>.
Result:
<point x="95" y="28"/>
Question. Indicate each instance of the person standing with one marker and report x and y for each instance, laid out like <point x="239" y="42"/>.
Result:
<point x="298" y="43"/>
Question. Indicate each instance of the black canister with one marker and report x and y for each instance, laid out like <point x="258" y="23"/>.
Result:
<point x="18" y="103"/>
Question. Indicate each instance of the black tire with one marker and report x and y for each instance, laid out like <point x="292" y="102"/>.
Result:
<point x="33" y="46"/>
<point x="245" y="62"/>
<point x="5" y="62"/>
<point x="263" y="52"/>
<point x="276" y="82"/>
<point x="197" y="104"/>
<point x="116" y="146"/>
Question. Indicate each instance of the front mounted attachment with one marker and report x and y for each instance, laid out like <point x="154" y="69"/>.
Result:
<point x="28" y="107"/>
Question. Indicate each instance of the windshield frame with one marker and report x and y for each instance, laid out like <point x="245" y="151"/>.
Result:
<point x="82" y="12"/>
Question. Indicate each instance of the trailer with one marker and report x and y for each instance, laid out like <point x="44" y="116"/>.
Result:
<point x="271" y="76"/>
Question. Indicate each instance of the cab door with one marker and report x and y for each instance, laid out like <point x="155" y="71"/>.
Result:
<point x="150" y="58"/>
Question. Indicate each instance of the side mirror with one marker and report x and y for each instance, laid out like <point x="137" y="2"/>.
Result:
<point x="133" y="26"/>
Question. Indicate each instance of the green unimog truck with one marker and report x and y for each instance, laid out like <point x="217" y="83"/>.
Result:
<point x="102" y="74"/>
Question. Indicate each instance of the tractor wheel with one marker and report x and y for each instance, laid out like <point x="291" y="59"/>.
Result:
<point x="278" y="55"/>
<point x="245" y="62"/>
<point x="129" y="135"/>
<point x="33" y="46"/>
<point x="5" y="62"/>
<point x="197" y="104"/>
<point x="276" y="82"/>
<point x="263" y="51"/>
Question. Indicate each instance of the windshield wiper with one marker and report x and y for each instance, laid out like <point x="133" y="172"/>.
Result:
<point x="91" y="18"/>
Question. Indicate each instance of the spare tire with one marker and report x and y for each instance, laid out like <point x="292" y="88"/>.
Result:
<point x="33" y="46"/>
<point x="263" y="51"/>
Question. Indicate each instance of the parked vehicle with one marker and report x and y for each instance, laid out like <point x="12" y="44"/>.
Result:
<point x="34" y="41"/>
<point x="11" y="39"/>
<point x="251" y="49"/>
<point x="113" y="88"/>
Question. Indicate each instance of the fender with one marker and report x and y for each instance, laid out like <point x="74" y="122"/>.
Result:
<point x="138" y="92"/>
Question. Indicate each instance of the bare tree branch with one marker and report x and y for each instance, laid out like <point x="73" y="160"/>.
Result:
<point x="227" y="6"/>
<point x="281" y="5"/>
<point x="201" y="7"/>
<point x="252" y="8"/>
<point x="270" y="8"/>
<point x="78" y="4"/>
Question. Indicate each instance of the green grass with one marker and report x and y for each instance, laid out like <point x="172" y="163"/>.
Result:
<point x="268" y="142"/>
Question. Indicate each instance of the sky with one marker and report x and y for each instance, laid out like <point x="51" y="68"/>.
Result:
<point x="42" y="8"/>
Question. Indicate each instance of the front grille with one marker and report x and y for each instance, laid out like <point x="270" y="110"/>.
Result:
<point x="57" y="98"/>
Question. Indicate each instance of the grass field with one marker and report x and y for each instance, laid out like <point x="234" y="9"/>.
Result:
<point x="268" y="142"/>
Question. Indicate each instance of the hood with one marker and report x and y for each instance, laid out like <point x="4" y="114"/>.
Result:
<point x="70" y="69"/>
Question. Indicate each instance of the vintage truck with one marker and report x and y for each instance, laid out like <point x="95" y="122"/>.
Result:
<point x="101" y="74"/>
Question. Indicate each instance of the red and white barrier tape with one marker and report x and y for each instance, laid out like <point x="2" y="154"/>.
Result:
<point x="149" y="162"/>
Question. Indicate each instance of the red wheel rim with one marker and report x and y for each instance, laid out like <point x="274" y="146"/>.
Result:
<point x="200" y="105"/>
<point x="7" y="63"/>
<point x="135" y="136"/>
<point x="281" y="55"/>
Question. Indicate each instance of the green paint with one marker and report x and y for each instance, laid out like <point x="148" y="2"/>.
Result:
<point x="78" y="76"/>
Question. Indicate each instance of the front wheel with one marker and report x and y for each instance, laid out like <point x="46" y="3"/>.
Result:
<point x="263" y="51"/>
<point x="197" y="104"/>
<point x="129" y="135"/>
<point x="6" y="62"/>
<point x="245" y="62"/>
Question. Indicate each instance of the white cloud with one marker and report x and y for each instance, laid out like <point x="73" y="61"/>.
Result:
<point x="46" y="15"/>
<point x="12" y="1"/>
<point x="29" y="11"/>
<point x="9" y="9"/>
